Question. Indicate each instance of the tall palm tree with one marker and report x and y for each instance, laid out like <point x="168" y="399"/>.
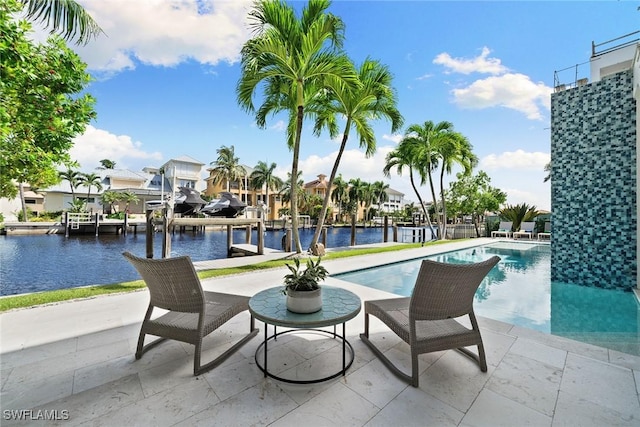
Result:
<point x="74" y="180"/>
<point x="425" y="137"/>
<point x="340" y="193"/>
<point x="66" y="17"/>
<point x="406" y="156"/>
<point x="453" y="148"/>
<point x="292" y="56"/>
<point x="358" y="194"/>
<point x="227" y="167"/>
<point x="90" y="180"/>
<point x="380" y="192"/>
<point x="262" y="175"/>
<point x="374" y="98"/>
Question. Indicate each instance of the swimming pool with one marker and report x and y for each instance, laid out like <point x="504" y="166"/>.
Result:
<point x="519" y="291"/>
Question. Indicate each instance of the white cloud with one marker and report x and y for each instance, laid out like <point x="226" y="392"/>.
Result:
<point x="518" y="159"/>
<point x="280" y="126"/>
<point x="480" y="64"/>
<point x="165" y="32"/>
<point x="395" y="138"/>
<point x="513" y="91"/>
<point x="97" y="144"/>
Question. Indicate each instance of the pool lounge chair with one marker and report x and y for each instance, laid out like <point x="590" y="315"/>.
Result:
<point x="504" y="229"/>
<point x="427" y="320"/>
<point x="192" y="313"/>
<point x="546" y="234"/>
<point x="526" y="229"/>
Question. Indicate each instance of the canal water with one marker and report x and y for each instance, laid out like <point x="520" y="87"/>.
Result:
<point x="47" y="262"/>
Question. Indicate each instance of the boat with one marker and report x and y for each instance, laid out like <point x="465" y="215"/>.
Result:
<point x="227" y="205"/>
<point x="187" y="201"/>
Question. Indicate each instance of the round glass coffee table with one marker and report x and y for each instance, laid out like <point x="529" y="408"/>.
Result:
<point x="338" y="306"/>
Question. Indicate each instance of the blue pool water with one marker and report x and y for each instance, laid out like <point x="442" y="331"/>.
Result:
<point x="519" y="291"/>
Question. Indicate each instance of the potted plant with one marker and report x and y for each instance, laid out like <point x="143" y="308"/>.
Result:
<point x="302" y="288"/>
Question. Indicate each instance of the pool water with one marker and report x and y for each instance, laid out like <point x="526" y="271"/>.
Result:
<point x="519" y="291"/>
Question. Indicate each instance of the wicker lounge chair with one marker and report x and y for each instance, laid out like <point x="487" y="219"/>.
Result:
<point x="426" y="321"/>
<point x="192" y="313"/>
<point x="526" y="229"/>
<point x="504" y="229"/>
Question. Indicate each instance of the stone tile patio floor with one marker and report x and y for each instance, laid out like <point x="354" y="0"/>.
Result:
<point x="76" y="358"/>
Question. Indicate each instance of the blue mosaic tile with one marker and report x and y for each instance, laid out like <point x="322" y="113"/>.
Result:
<point x="593" y="184"/>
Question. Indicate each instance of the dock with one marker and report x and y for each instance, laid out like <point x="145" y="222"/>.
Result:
<point x="76" y="223"/>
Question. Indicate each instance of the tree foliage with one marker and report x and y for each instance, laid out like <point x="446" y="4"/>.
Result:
<point x="65" y="17"/>
<point x="374" y="98"/>
<point x="518" y="214"/>
<point x="42" y="107"/>
<point x="472" y="195"/>
<point x="291" y="57"/>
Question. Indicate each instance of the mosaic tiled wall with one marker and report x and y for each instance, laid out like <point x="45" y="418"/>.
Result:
<point x="593" y="184"/>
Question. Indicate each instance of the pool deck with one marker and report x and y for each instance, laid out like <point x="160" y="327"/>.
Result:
<point x="77" y="358"/>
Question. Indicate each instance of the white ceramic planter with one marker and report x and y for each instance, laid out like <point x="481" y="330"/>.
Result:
<point x="304" y="301"/>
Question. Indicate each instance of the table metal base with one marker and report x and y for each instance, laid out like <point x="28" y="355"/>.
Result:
<point x="345" y="365"/>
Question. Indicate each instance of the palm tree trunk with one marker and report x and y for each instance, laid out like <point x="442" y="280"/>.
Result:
<point x="424" y="209"/>
<point x="435" y="203"/>
<point x="444" y="206"/>
<point x="327" y="195"/>
<point x="294" y="181"/>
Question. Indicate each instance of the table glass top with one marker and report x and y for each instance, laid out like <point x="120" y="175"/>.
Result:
<point x="338" y="306"/>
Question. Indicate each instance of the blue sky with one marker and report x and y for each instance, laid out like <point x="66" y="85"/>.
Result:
<point x="165" y="78"/>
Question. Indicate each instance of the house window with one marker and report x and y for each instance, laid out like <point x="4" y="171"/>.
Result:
<point x="29" y="201"/>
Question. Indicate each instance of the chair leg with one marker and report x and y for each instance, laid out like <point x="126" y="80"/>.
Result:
<point x="366" y="325"/>
<point x="482" y="357"/>
<point x="198" y="370"/>
<point x="385" y="360"/>
<point x="141" y="348"/>
<point x="415" y="368"/>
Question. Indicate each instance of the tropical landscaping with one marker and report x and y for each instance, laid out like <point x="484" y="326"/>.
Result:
<point x="298" y="64"/>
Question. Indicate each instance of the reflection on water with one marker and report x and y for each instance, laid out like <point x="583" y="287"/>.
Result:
<point x="519" y="291"/>
<point x="45" y="262"/>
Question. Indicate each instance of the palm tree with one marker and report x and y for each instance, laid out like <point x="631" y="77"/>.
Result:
<point x="227" y="167"/>
<point x="358" y="194"/>
<point x="340" y="193"/>
<point x="107" y="164"/>
<point x="74" y="180"/>
<point x="128" y="197"/>
<point x="424" y="137"/>
<point x="90" y="180"/>
<point x="108" y="198"/>
<point x="286" y="190"/>
<point x="380" y="192"/>
<point x="406" y="156"/>
<point x="453" y="148"/>
<point x="262" y="175"/>
<point x="66" y="17"/>
<point x="373" y="98"/>
<point x="292" y="56"/>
